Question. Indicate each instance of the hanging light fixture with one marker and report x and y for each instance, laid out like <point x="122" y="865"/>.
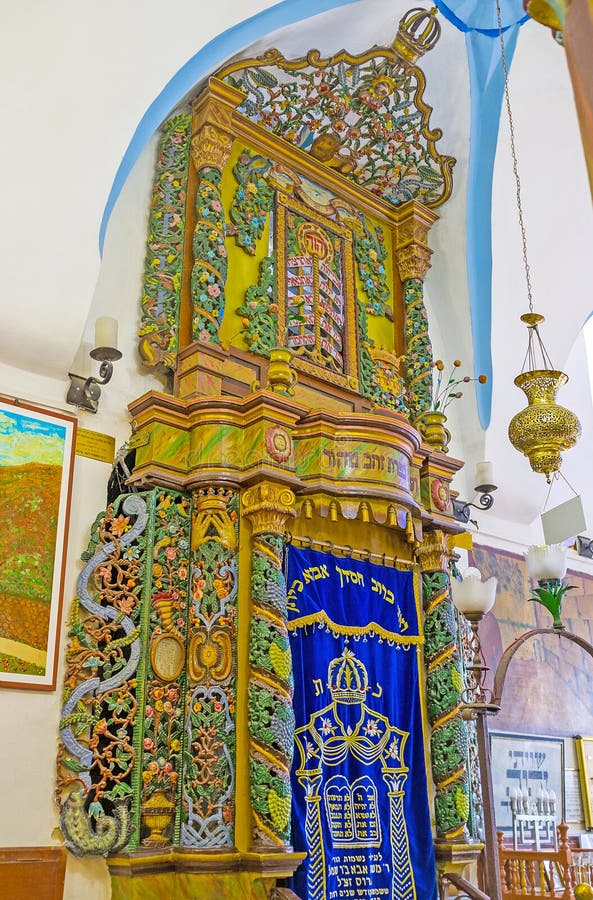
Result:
<point x="543" y="430"/>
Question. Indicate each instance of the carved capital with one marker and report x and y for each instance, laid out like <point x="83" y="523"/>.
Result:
<point x="211" y="146"/>
<point x="413" y="222"/>
<point x="434" y="553"/>
<point x="268" y="506"/>
<point x="413" y="261"/>
<point x="211" y="520"/>
<point x="213" y="120"/>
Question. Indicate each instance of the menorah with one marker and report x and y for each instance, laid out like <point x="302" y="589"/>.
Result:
<point x="534" y="818"/>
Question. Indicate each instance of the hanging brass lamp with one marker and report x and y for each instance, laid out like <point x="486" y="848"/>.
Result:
<point x="543" y="430"/>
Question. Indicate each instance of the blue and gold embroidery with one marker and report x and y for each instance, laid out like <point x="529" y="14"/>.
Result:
<point x="359" y="779"/>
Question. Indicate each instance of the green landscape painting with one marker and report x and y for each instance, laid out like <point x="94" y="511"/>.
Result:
<point x="36" y="454"/>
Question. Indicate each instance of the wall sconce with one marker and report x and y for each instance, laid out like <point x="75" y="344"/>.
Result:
<point x="474" y="598"/>
<point x="546" y="563"/>
<point x="85" y="392"/>
<point x="485" y="486"/>
<point x="547" y="566"/>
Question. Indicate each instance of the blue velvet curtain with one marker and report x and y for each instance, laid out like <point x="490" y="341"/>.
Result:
<point x="360" y="803"/>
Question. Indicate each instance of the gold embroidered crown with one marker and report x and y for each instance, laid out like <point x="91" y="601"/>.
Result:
<point x="347" y="678"/>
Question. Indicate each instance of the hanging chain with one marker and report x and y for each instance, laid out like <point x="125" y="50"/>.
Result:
<point x="514" y="155"/>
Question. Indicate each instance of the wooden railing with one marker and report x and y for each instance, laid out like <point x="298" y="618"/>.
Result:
<point x="582" y="866"/>
<point x="531" y="873"/>
<point x="464" y="890"/>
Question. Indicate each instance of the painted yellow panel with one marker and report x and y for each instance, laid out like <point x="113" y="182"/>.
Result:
<point x="182" y="885"/>
<point x="243" y="268"/>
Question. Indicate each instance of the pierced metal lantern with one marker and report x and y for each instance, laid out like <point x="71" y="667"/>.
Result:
<point x="543" y="430"/>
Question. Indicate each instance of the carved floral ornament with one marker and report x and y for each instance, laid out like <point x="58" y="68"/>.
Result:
<point x="439" y="492"/>
<point x="361" y="115"/>
<point x="278" y="443"/>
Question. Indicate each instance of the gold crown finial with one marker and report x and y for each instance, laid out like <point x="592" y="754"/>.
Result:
<point x="418" y="32"/>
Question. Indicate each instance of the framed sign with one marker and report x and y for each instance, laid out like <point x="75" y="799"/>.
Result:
<point x="584" y="746"/>
<point x="529" y="764"/>
<point x="36" y="465"/>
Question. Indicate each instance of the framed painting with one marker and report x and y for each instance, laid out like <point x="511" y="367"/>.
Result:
<point x="36" y="465"/>
<point x="528" y="764"/>
<point x="584" y="748"/>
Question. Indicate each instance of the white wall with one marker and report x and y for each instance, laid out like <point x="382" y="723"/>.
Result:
<point x="30" y="719"/>
<point x="77" y="79"/>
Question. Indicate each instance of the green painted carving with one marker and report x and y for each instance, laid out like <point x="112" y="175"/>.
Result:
<point x="476" y="816"/>
<point x="109" y="835"/>
<point x="271" y="719"/>
<point x="164" y="247"/>
<point x="380" y="379"/>
<point x="449" y="744"/>
<point x="163" y="677"/>
<point x="444" y="685"/>
<point x="210" y="748"/>
<point x="451" y="809"/>
<point x="440" y="625"/>
<point x="442" y="693"/>
<point x="365" y="344"/>
<point x="122" y="720"/>
<point x="98" y="752"/>
<point x="271" y="800"/>
<point x="260" y="310"/>
<point x="364" y="117"/>
<point x="252" y="201"/>
<point x="210" y="258"/>
<point x="387" y="386"/>
<point x="371" y="253"/>
<point x="418" y="349"/>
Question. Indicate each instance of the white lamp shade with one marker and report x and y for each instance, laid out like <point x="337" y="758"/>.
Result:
<point x="546" y="562"/>
<point x="472" y="595"/>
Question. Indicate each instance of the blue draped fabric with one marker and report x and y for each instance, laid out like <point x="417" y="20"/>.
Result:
<point x="478" y="20"/>
<point x="360" y="802"/>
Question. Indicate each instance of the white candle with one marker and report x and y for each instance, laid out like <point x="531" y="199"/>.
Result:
<point x="484" y="473"/>
<point x="106" y="332"/>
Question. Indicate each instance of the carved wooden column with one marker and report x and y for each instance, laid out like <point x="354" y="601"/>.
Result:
<point x="413" y="261"/>
<point x="208" y="819"/>
<point x="271" y="718"/>
<point x="210" y="148"/>
<point x="444" y="686"/>
<point x="164" y="263"/>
